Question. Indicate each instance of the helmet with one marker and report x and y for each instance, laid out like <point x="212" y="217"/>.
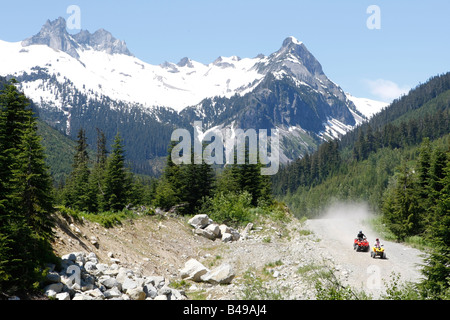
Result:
<point x="378" y="239"/>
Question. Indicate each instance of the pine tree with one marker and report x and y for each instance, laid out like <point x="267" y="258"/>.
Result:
<point x="401" y="205"/>
<point x="437" y="269"/>
<point x="76" y="193"/>
<point x="33" y="184"/>
<point x="25" y="189"/>
<point x="96" y="179"/>
<point x="117" y="183"/>
<point x="198" y="182"/>
<point x="169" y="187"/>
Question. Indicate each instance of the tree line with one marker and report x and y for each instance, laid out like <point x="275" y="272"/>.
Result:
<point x="417" y="203"/>
<point x="198" y="187"/>
<point x="101" y="184"/>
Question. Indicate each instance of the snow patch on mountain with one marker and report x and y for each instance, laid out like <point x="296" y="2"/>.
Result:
<point x="366" y="106"/>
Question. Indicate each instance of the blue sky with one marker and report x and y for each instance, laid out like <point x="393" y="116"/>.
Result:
<point x="411" y="46"/>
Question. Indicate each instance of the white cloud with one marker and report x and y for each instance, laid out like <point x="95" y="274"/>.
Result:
<point x="386" y="90"/>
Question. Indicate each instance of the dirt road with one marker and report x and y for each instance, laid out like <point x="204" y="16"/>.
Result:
<point x="337" y="229"/>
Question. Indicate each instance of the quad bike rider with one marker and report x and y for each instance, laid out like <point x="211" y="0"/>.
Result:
<point x="378" y="250"/>
<point x="361" y="243"/>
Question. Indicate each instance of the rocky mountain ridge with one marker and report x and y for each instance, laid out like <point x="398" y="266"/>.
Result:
<point x="54" y="34"/>
<point x="93" y="81"/>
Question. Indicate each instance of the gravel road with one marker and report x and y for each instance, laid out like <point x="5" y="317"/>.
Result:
<point x="337" y="230"/>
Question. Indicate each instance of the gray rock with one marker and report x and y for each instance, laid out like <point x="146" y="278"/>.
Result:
<point x="227" y="237"/>
<point x="112" y="293"/>
<point x="193" y="270"/>
<point x="70" y="257"/>
<point x="224" y="229"/>
<point x="214" y="229"/>
<point x="55" y="287"/>
<point x="205" y="233"/>
<point x="150" y="290"/>
<point x="63" y="296"/>
<point x="129" y="284"/>
<point x="165" y="290"/>
<point x="136" y="294"/>
<point x="82" y="296"/>
<point x="90" y="266"/>
<point x="199" y="221"/>
<point x="156" y="281"/>
<point x="109" y="282"/>
<point x="53" y="277"/>
<point x="223" y="274"/>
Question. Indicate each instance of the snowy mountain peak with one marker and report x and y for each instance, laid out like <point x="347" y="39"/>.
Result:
<point x="54" y="34"/>
<point x="185" y="62"/>
<point x="291" y="40"/>
<point x="102" y="40"/>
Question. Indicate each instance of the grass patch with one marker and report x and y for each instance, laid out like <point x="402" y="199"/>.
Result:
<point x="255" y="288"/>
<point x="106" y="219"/>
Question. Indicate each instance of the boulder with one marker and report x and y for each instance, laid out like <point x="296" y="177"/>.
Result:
<point x="53" y="277"/>
<point x="63" y="296"/>
<point x="82" y="296"/>
<point x="70" y="256"/>
<point x="150" y="290"/>
<point x="193" y="270"/>
<point x="54" y="287"/>
<point x="223" y="274"/>
<point x="205" y="233"/>
<point x="112" y="293"/>
<point x="199" y="221"/>
<point x="224" y="229"/>
<point x="165" y="290"/>
<point x="97" y="294"/>
<point x="90" y="266"/>
<point x="129" y="284"/>
<point x="235" y="235"/>
<point x="227" y="237"/>
<point x="136" y="294"/>
<point x="214" y="229"/>
<point x="109" y="282"/>
<point x="156" y="281"/>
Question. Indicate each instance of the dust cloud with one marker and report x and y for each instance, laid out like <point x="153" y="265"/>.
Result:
<point x="355" y="211"/>
<point x="342" y="221"/>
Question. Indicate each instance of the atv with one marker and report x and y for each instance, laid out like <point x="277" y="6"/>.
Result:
<point x="361" y="245"/>
<point x="378" y="252"/>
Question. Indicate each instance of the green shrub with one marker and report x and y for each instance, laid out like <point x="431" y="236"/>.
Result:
<point x="229" y="208"/>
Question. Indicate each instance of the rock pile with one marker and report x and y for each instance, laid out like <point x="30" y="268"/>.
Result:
<point x="207" y="228"/>
<point x="83" y="278"/>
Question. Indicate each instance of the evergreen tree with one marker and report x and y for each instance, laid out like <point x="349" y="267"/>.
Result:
<point x="401" y="205"/>
<point x="76" y="193"/>
<point x="33" y="185"/>
<point x="170" y="186"/>
<point x="198" y="180"/>
<point x="97" y="176"/>
<point x="117" y="183"/>
<point x="437" y="269"/>
<point x="25" y="189"/>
